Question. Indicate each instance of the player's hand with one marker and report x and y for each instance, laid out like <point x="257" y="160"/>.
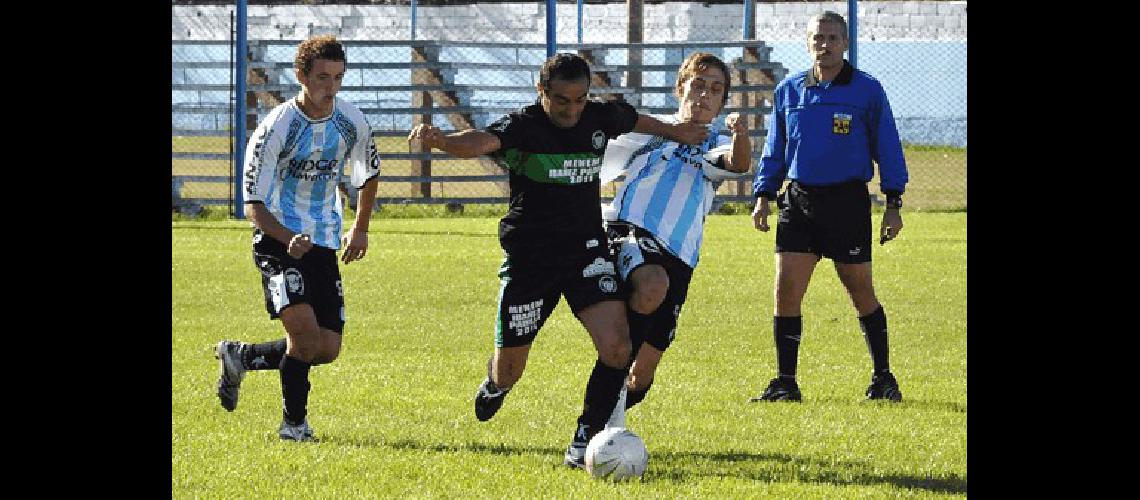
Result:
<point x="689" y="133"/>
<point x="355" y="244"/>
<point x="737" y="125"/>
<point x="891" y="226"/>
<point x="299" y="245"/>
<point x="760" y="214"/>
<point x="431" y="136"/>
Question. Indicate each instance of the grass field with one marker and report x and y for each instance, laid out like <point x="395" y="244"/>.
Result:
<point x="395" y="417"/>
<point x="937" y="174"/>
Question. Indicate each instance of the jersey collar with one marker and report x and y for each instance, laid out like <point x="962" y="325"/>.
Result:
<point x="843" y="78"/>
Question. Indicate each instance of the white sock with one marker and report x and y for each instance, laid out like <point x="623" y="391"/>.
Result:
<point x="617" y="418"/>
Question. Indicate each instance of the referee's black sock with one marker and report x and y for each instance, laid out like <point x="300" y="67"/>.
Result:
<point x="295" y="389"/>
<point x="787" y="331"/>
<point x="602" y="393"/>
<point x="264" y="356"/>
<point x="874" y="328"/>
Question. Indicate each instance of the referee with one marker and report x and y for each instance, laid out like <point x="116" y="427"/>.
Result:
<point x="827" y="126"/>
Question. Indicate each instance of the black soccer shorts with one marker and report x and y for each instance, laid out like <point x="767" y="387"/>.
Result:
<point x="313" y="280"/>
<point x="830" y="221"/>
<point x="530" y="288"/>
<point x="636" y="247"/>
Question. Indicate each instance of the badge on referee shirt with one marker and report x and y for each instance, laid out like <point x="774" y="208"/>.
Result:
<point x="841" y="123"/>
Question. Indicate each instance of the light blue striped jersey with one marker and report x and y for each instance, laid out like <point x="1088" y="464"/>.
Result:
<point x="669" y="188"/>
<point x="293" y="164"/>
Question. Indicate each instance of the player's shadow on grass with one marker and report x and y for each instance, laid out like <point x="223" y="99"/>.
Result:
<point x="681" y="466"/>
<point x="407" y="444"/>
<point x="906" y="404"/>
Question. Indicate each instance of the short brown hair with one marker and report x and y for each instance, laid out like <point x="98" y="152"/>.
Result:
<point x="827" y="16"/>
<point x="318" y="47"/>
<point x="698" y="62"/>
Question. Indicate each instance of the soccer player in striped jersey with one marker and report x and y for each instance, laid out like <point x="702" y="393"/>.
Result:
<point x="656" y="220"/>
<point x="293" y="164"/>
<point x="552" y="237"/>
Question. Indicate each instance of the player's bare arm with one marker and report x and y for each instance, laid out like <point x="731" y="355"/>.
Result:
<point x="760" y="214"/>
<point x="740" y="160"/>
<point x="466" y="144"/>
<point x="355" y="241"/>
<point x="684" y="133"/>
<point x="296" y="244"/>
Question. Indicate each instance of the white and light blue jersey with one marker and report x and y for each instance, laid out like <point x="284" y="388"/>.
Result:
<point x="293" y="165"/>
<point x="669" y="188"/>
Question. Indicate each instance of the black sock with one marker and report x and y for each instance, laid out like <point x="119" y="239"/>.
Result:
<point x="491" y="386"/>
<point x="634" y="397"/>
<point x="874" y="328"/>
<point x="639" y="325"/>
<point x="602" y="393"/>
<point x="295" y="389"/>
<point x="787" y="331"/>
<point x="263" y="356"/>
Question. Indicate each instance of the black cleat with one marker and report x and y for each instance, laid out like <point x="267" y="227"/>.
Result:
<point x="231" y="372"/>
<point x="780" y="389"/>
<point x="488" y="400"/>
<point x="884" y="386"/>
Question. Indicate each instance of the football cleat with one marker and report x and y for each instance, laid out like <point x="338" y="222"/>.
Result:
<point x="232" y="372"/>
<point x="884" y="386"/>
<point x="780" y="389"/>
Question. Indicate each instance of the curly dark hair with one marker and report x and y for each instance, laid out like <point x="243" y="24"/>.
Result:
<point x="318" y="47"/>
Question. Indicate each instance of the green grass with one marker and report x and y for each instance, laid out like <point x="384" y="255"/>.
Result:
<point x="394" y="412"/>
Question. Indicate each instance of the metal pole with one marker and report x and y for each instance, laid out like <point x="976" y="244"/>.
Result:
<point x="551" y="25"/>
<point x="239" y="113"/>
<point x="853" y="31"/>
<point x="414" y="5"/>
<point x="580" y="2"/>
<point x="634" y="35"/>
<point x="230" y="110"/>
<point x="749" y="28"/>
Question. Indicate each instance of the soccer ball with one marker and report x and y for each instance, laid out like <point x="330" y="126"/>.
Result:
<point x="617" y="454"/>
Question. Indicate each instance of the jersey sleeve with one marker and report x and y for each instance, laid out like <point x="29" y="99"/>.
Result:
<point x="622" y="116"/>
<point x="508" y="129"/>
<point x="773" y="167"/>
<point x="714" y="168"/>
<point x="364" y="160"/>
<point x="260" y="165"/>
<point x="886" y="149"/>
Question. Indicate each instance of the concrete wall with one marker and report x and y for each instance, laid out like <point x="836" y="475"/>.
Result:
<point x="526" y="22"/>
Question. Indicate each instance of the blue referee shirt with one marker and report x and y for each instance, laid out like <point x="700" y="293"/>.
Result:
<point x="824" y="133"/>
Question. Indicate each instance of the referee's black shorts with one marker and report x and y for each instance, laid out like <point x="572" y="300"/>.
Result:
<point x="831" y="221"/>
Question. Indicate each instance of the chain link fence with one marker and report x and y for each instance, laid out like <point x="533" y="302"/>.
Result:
<point x="472" y="62"/>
